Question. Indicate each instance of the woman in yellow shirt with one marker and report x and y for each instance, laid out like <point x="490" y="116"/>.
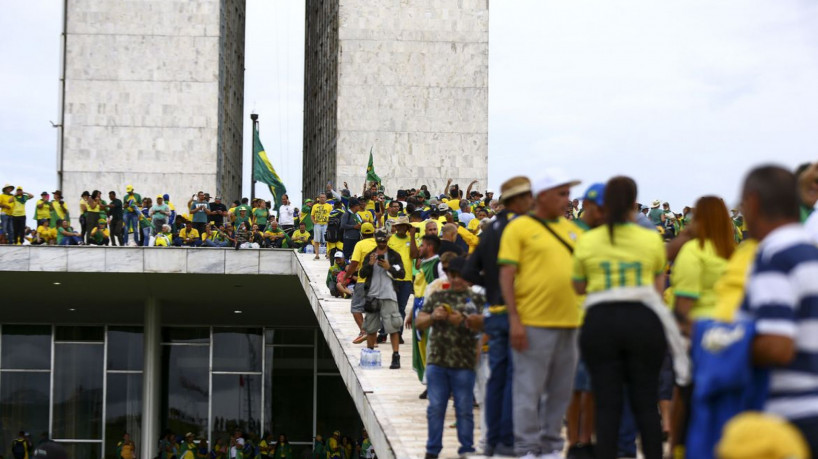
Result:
<point x="622" y="340"/>
<point x="701" y="262"/>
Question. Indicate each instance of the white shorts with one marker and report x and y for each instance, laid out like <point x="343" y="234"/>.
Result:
<point x="319" y="233"/>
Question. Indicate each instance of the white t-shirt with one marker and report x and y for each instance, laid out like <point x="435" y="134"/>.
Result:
<point x="811" y="226"/>
<point x="286" y="215"/>
<point x="240" y="443"/>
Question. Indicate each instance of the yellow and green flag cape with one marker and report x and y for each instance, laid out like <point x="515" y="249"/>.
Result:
<point x="264" y="172"/>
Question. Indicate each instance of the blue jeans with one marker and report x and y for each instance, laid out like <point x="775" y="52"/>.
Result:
<point x="441" y="383"/>
<point x="146" y="236"/>
<point x="71" y="240"/>
<point x="209" y="243"/>
<point x="8" y="228"/>
<point x="499" y="419"/>
<point x="131" y="223"/>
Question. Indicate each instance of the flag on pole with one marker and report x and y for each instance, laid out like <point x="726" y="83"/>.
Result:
<point x="264" y="172"/>
<point x="371" y="176"/>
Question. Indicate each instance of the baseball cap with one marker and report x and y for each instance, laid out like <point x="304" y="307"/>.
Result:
<point x="367" y="228"/>
<point x="49" y="450"/>
<point x="19" y="188"/>
<point x="102" y="220"/>
<point x="552" y="178"/>
<point x="514" y="186"/>
<point x="595" y="193"/>
<point x="339" y="254"/>
<point x="160" y="197"/>
<point x="443" y="207"/>
<point x="44" y="193"/>
<point x="757" y="435"/>
<point x="129" y="188"/>
<point x="167" y="197"/>
<point x="381" y="234"/>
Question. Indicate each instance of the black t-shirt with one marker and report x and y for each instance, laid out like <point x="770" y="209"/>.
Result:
<point x="116" y="210"/>
<point x="218" y="219"/>
<point x="448" y="246"/>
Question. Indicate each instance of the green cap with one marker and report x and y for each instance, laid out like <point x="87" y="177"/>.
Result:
<point x="102" y="220"/>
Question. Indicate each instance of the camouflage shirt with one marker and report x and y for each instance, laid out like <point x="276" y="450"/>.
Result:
<point x="451" y="346"/>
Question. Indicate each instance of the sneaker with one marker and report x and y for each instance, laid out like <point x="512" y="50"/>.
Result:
<point x="360" y="338"/>
<point x="395" y="361"/>
<point x="423" y="395"/>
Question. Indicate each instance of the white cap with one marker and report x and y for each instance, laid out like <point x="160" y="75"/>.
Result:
<point x="490" y="190"/>
<point x="552" y="178"/>
<point x="339" y="254"/>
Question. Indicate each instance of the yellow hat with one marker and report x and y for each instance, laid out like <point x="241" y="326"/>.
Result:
<point x="129" y="188"/>
<point x="754" y="435"/>
<point x="367" y="228"/>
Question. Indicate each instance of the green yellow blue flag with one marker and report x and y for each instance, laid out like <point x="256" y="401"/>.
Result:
<point x="264" y="172"/>
<point x="371" y="176"/>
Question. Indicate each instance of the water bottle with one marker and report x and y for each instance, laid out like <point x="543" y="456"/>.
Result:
<point x="377" y="355"/>
<point x="365" y="358"/>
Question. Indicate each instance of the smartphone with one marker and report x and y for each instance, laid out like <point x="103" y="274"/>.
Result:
<point x="381" y="257"/>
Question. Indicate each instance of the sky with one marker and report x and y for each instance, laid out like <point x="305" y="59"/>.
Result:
<point x="685" y="97"/>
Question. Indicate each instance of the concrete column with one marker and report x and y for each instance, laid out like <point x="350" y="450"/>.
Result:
<point x="151" y="379"/>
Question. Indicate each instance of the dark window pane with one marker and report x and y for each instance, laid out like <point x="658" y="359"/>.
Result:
<point x="82" y="450"/>
<point x="186" y="335"/>
<point x="78" y="372"/>
<point x="289" y="336"/>
<point x="326" y="364"/>
<point x="292" y="378"/>
<point x="336" y="410"/>
<point x="236" y="405"/>
<point x="26" y="347"/>
<point x="185" y="391"/>
<point x="125" y="348"/>
<point x="79" y="334"/>
<point x="123" y="411"/>
<point x="236" y="349"/>
<point x="23" y="405"/>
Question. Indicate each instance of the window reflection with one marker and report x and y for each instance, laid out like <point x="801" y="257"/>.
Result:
<point x="292" y="381"/>
<point x="123" y="411"/>
<point x="236" y="405"/>
<point x="125" y="348"/>
<point x="336" y="409"/>
<point x="78" y="391"/>
<point x="82" y="450"/>
<point x="23" y="405"/>
<point x="236" y="349"/>
<point x="185" y="391"/>
<point x="26" y="347"/>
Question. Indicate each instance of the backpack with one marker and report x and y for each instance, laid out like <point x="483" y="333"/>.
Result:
<point x="333" y="233"/>
<point x="18" y="449"/>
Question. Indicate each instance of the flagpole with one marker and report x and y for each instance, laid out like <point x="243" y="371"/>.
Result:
<point x="253" y="117"/>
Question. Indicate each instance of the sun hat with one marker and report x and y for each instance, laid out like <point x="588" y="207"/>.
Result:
<point x="129" y="188"/>
<point x="402" y="220"/>
<point x="381" y="234"/>
<point x="552" y="178"/>
<point x="7" y="186"/>
<point x="514" y="186"/>
<point x="655" y="203"/>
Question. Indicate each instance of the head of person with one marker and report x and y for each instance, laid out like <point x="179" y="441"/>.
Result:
<point x="401" y="226"/>
<point x="753" y="435"/>
<point x="44" y="196"/>
<point x="381" y="237"/>
<point x="262" y="204"/>
<point x="687" y="210"/>
<point x="245" y="201"/>
<point x="255" y="227"/>
<point x="592" y="205"/>
<point x="111" y="195"/>
<point x="454" y="271"/>
<point x="416" y="216"/>
<point x="302" y="227"/>
<point x="57" y="195"/>
<point x="9" y="188"/>
<point x="515" y="194"/>
<point x="282" y="438"/>
<point x="449" y="232"/>
<point x="273" y="225"/>
<point x="482" y="214"/>
<point x="101" y="223"/>
<point x="166" y="197"/>
<point x="339" y="258"/>
<point x="429" y="246"/>
<point x="465" y="206"/>
<point x="64" y="224"/>
<point x="84" y="195"/>
<point x="620" y="202"/>
<point x="166" y="228"/>
<point x="336" y="434"/>
<point x="146" y="202"/>
<point x="666" y="206"/>
<point x="367" y="230"/>
<point x="373" y="188"/>
<point x="769" y="199"/>
<point x="394" y="208"/>
<point x="713" y="224"/>
<point x="354" y="204"/>
<point x="243" y="212"/>
<point x="322" y="198"/>
<point x="431" y="229"/>
<point x="552" y="193"/>
<point x="200" y="196"/>
<point x="160" y="200"/>
<point x="285" y="200"/>
<point x="96" y="194"/>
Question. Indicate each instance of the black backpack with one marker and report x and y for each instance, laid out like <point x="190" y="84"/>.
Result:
<point x="333" y="233"/>
<point x="18" y="449"/>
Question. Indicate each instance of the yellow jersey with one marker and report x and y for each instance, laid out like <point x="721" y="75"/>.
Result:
<point x="634" y="259"/>
<point x="366" y="216"/>
<point x="363" y="247"/>
<point x="43" y="213"/>
<point x="729" y="288"/>
<point x="19" y="209"/>
<point x="695" y="273"/>
<point x="403" y="245"/>
<point x="7" y="203"/>
<point x="194" y="233"/>
<point x="542" y="288"/>
<point x="300" y="236"/>
<point x="320" y="213"/>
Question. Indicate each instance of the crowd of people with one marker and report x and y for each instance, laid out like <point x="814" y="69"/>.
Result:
<point x="696" y="331"/>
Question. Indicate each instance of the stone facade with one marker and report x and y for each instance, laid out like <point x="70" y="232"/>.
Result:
<point x="153" y="97"/>
<point x="407" y="78"/>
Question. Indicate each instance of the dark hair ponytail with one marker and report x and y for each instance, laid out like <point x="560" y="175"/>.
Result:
<point x="620" y="198"/>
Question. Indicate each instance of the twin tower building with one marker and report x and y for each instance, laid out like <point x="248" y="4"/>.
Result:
<point x="152" y="94"/>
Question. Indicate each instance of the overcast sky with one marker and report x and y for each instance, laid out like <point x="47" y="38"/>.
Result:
<point x="685" y="96"/>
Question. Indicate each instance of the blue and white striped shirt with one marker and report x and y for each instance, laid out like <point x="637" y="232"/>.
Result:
<point x="782" y="297"/>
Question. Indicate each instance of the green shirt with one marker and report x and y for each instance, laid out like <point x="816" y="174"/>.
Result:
<point x="261" y="216"/>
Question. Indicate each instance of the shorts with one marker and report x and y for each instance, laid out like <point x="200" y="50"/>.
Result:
<point x="320" y="234"/>
<point x="582" y="380"/>
<point x="390" y="316"/>
<point x="358" y="299"/>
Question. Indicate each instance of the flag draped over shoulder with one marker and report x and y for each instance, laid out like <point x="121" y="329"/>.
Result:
<point x="264" y="172"/>
<point x="371" y="176"/>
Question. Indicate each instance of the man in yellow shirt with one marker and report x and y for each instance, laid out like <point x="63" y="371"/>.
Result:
<point x="543" y="311"/>
<point x="43" y="211"/>
<point x="188" y="236"/>
<point x="403" y="242"/>
<point x="6" y="207"/>
<point x="300" y="237"/>
<point x="320" y="217"/>
<point x="364" y="246"/>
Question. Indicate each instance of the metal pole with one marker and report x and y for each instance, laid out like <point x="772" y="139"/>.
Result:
<point x="254" y="117"/>
<point x="151" y="379"/>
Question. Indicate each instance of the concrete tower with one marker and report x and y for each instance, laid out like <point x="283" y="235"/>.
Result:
<point x="152" y="96"/>
<point x="408" y="78"/>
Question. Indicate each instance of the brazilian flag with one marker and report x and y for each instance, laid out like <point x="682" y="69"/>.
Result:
<point x="264" y="172"/>
<point x="371" y="176"/>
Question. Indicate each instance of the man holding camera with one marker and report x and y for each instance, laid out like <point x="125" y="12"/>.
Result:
<point x="381" y="268"/>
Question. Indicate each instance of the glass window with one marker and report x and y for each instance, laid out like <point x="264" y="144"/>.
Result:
<point x="76" y="333"/>
<point x="125" y="351"/>
<point x="82" y="450"/>
<point x="185" y="395"/>
<point x="299" y="336"/>
<point x="26" y="347"/>
<point x="291" y="392"/>
<point x="236" y="349"/>
<point x="336" y="410"/>
<point x="23" y="405"/>
<point x="326" y="364"/>
<point x="186" y="335"/>
<point x="123" y="410"/>
<point x="236" y="405"/>
<point x="77" y="401"/>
